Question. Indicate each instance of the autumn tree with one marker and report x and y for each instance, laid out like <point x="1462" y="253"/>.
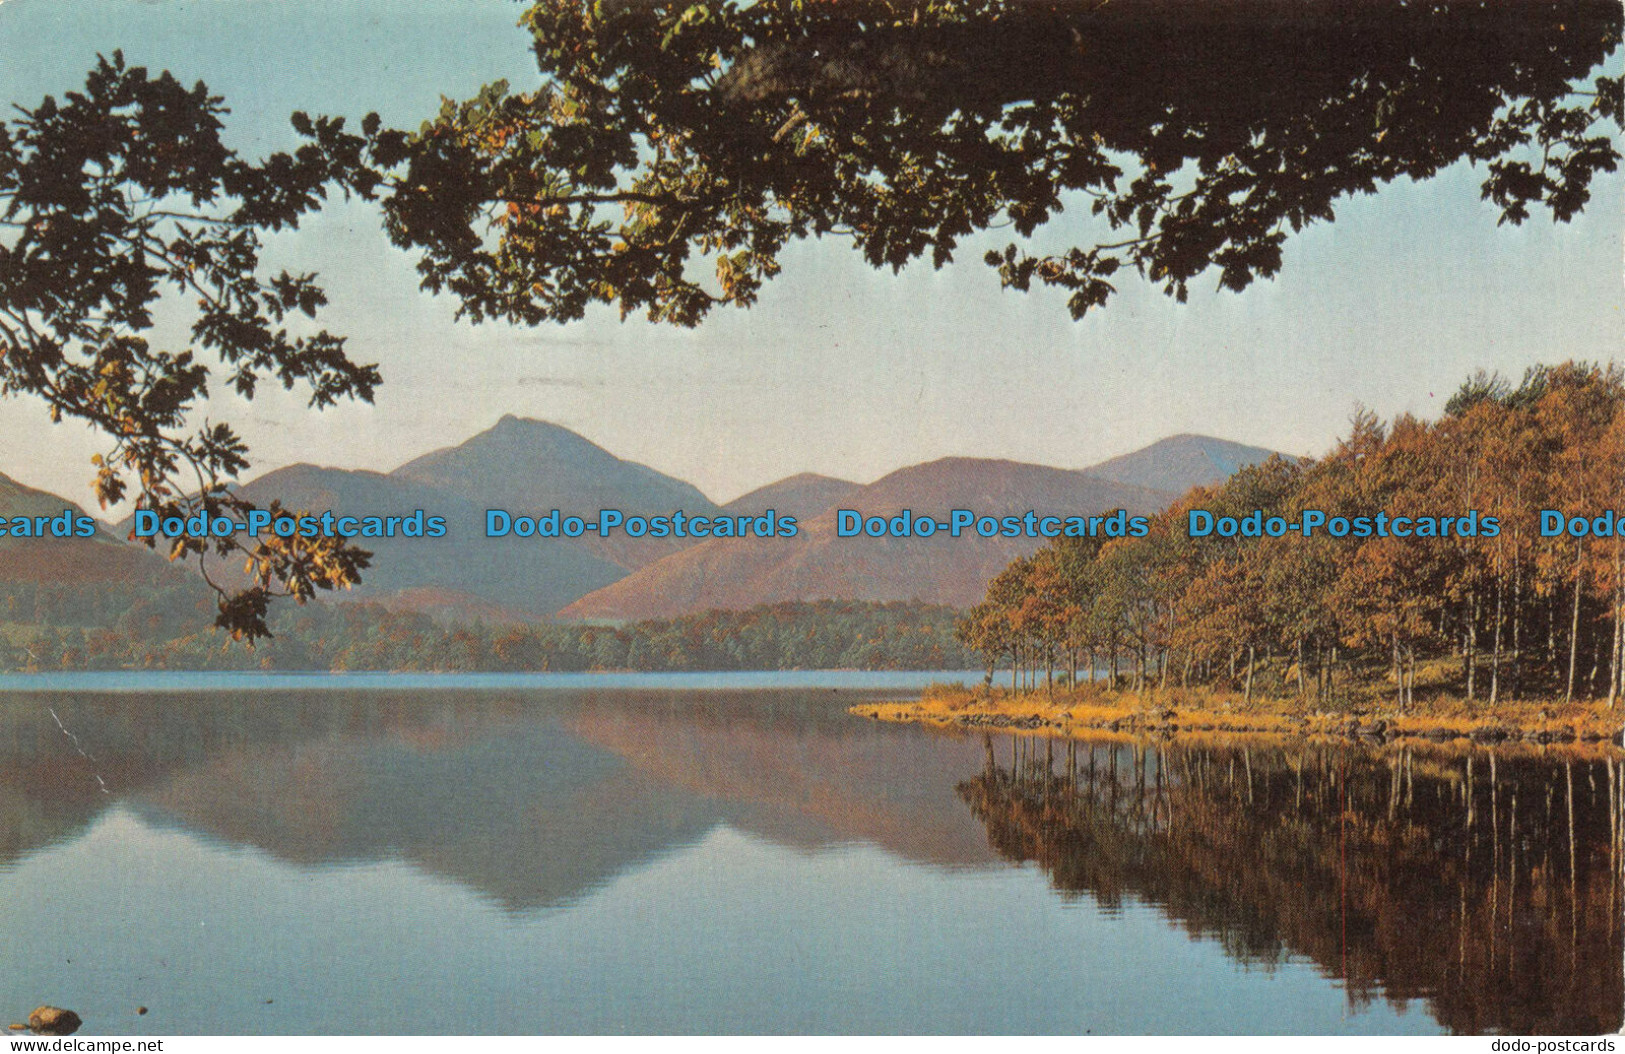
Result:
<point x="1577" y="412"/>
<point x="1387" y="596"/>
<point x="989" y="628"/>
<point x="121" y="195"/>
<point x="1046" y="610"/>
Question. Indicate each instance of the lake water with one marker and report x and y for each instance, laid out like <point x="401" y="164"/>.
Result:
<point x="738" y="854"/>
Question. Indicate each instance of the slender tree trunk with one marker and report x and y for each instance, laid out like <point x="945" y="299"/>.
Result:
<point x="1472" y="644"/>
<point x="1399" y="675"/>
<point x="1574" y="633"/>
<point x="1500" y="619"/>
<point x="1551" y="629"/>
<point x="1247" y="695"/>
<point x="1613" y="665"/>
<point x="1517" y="629"/>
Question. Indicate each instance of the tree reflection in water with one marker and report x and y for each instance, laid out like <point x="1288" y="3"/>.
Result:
<point x="1488" y="886"/>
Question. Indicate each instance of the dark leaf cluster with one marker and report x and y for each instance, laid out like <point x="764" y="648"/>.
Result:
<point x="116" y="197"/>
<point x="673" y="149"/>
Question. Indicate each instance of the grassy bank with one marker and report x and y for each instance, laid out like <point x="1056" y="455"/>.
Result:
<point x="1094" y="709"/>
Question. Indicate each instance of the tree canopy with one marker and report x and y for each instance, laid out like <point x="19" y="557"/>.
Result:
<point x="674" y="149"/>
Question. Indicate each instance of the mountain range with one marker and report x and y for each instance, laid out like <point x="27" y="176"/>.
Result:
<point x="817" y="564"/>
<point x="530" y="467"/>
<point x="102" y="557"/>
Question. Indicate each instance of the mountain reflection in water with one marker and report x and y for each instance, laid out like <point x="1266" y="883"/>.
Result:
<point x="1480" y="887"/>
<point x="1487" y="885"/>
<point x="531" y="801"/>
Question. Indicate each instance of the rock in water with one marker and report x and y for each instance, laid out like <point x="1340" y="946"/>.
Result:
<point x="54" y="1021"/>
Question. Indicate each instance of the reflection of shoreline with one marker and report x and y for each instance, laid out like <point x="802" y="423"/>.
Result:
<point x="1489" y="887"/>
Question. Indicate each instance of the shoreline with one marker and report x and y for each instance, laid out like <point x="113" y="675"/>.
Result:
<point x="1092" y="713"/>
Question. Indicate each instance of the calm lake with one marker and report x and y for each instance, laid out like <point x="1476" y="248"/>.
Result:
<point x="736" y="853"/>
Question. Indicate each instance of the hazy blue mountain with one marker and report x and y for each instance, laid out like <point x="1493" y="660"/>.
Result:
<point x="530" y="466"/>
<point x="803" y="496"/>
<point x="66" y="561"/>
<point x="1181" y="462"/>
<point x="738" y="573"/>
<point x="462" y="571"/>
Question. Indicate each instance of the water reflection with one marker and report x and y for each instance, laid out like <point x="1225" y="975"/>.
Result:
<point x="533" y="801"/>
<point x="1487" y="885"/>
<point x="1482" y="889"/>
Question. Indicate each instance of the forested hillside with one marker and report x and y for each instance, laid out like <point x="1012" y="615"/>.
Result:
<point x="1513" y="615"/>
<point x="65" y="628"/>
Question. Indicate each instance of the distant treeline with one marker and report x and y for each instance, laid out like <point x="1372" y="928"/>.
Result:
<point x="1517" y="614"/>
<point x="158" y="629"/>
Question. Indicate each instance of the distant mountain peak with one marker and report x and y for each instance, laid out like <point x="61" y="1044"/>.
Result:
<point x="529" y="467"/>
<point x="538" y="442"/>
<point x="514" y="427"/>
<point x="1181" y="462"/>
<point x="515" y="423"/>
<point x="803" y="495"/>
<point x="816" y="477"/>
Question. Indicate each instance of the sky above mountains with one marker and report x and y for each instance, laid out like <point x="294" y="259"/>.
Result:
<point x="839" y="369"/>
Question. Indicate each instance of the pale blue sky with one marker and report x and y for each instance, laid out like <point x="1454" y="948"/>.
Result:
<point x="838" y="369"/>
